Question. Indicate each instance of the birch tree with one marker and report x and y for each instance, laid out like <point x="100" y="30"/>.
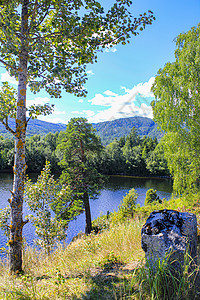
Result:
<point x="177" y="110"/>
<point x="48" y="44"/>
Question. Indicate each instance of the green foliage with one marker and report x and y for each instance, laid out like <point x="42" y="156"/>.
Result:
<point x="5" y="220"/>
<point x="101" y="223"/>
<point x="117" y="158"/>
<point x="182" y="162"/>
<point x="127" y="206"/>
<point x="7" y="102"/>
<point x="134" y="162"/>
<point x="48" y="44"/>
<point x="6" y="153"/>
<point x="156" y="162"/>
<point x="8" y="107"/>
<point x="114" y="158"/>
<point x="132" y="155"/>
<point x="109" y="261"/>
<point x="151" y="196"/>
<point x="39" y="197"/>
<point x="67" y="205"/>
<point x="161" y="281"/>
<point x="177" y="110"/>
<point x="62" y="41"/>
<point x="77" y="144"/>
<point x="39" y="150"/>
<point x="5" y="215"/>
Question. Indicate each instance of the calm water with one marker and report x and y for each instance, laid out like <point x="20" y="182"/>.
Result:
<point x="109" y="199"/>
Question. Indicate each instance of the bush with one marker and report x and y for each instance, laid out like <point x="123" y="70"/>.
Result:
<point x="109" y="261"/>
<point x="151" y="196"/>
<point x="127" y="208"/>
<point x="101" y="223"/>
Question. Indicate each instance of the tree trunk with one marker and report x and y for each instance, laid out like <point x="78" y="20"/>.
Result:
<point x="19" y="169"/>
<point x="88" y="221"/>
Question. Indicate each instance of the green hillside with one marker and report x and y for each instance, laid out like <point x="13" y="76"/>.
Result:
<point x="34" y="127"/>
<point x="107" y="131"/>
<point x="110" y="130"/>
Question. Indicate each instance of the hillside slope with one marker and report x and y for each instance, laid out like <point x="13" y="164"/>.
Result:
<point x="107" y="131"/>
<point x="110" y="130"/>
<point x="34" y="127"/>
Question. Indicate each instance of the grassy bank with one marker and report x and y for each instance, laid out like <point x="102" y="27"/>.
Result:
<point x="106" y="265"/>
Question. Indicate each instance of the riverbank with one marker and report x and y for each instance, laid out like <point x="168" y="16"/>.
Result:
<point x="108" y="200"/>
<point x="107" y="265"/>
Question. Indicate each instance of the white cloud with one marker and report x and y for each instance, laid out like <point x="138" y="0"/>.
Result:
<point x="88" y="113"/>
<point x="38" y="101"/>
<point x="110" y="49"/>
<point x="80" y="101"/>
<point x="57" y="112"/>
<point x="85" y="113"/>
<point x="135" y="102"/>
<point x="100" y="99"/>
<point x="51" y="119"/>
<point x="142" y="88"/>
<point x="110" y="93"/>
<point x="6" y="77"/>
<point x="90" y="72"/>
<point x="76" y="112"/>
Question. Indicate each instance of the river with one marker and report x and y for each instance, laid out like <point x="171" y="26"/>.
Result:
<point x="108" y="200"/>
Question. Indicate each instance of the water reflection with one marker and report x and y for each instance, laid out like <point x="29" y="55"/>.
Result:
<point x="122" y="182"/>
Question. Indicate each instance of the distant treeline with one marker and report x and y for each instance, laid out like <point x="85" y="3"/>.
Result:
<point x="130" y="155"/>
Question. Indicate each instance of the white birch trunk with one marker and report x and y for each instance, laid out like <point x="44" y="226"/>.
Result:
<point x="17" y="223"/>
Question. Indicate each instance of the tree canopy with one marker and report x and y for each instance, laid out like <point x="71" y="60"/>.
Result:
<point x="59" y="38"/>
<point x="78" y="143"/>
<point x="47" y="44"/>
<point x="177" y="109"/>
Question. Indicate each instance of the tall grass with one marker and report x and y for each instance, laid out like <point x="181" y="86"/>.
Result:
<point x="103" y="266"/>
<point x="70" y="271"/>
<point x="161" y="281"/>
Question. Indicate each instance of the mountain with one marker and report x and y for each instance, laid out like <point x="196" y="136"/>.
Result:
<point x="34" y="127"/>
<point x="107" y="131"/>
<point x="110" y="130"/>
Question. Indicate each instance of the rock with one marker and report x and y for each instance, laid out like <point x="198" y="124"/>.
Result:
<point x="169" y="231"/>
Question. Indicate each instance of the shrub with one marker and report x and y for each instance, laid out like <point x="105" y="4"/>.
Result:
<point x="101" y="223"/>
<point x="151" y="196"/>
<point x="126" y="208"/>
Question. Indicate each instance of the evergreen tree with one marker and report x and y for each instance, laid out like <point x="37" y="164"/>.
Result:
<point x="78" y="143"/>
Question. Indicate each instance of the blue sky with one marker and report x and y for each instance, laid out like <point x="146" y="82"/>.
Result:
<point x="119" y="83"/>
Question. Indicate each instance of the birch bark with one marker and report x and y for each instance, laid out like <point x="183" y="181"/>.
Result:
<point x="19" y="169"/>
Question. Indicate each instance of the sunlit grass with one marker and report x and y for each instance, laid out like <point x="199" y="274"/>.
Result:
<point x="102" y="266"/>
<point x="67" y="272"/>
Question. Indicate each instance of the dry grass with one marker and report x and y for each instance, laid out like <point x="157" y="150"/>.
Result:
<point x="73" y="272"/>
<point x="92" y="267"/>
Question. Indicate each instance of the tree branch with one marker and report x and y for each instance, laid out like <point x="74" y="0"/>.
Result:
<point x="8" y="65"/>
<point x="44" y="16"/>
<point x="33" y="14"/>
<point x="7" y="127"/>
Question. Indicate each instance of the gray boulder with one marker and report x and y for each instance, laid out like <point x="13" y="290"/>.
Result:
<point x="169" y="231"/>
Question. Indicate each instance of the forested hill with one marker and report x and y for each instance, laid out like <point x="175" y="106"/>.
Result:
<point x="34" y="127"/>
<point x="108" y="131"/>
